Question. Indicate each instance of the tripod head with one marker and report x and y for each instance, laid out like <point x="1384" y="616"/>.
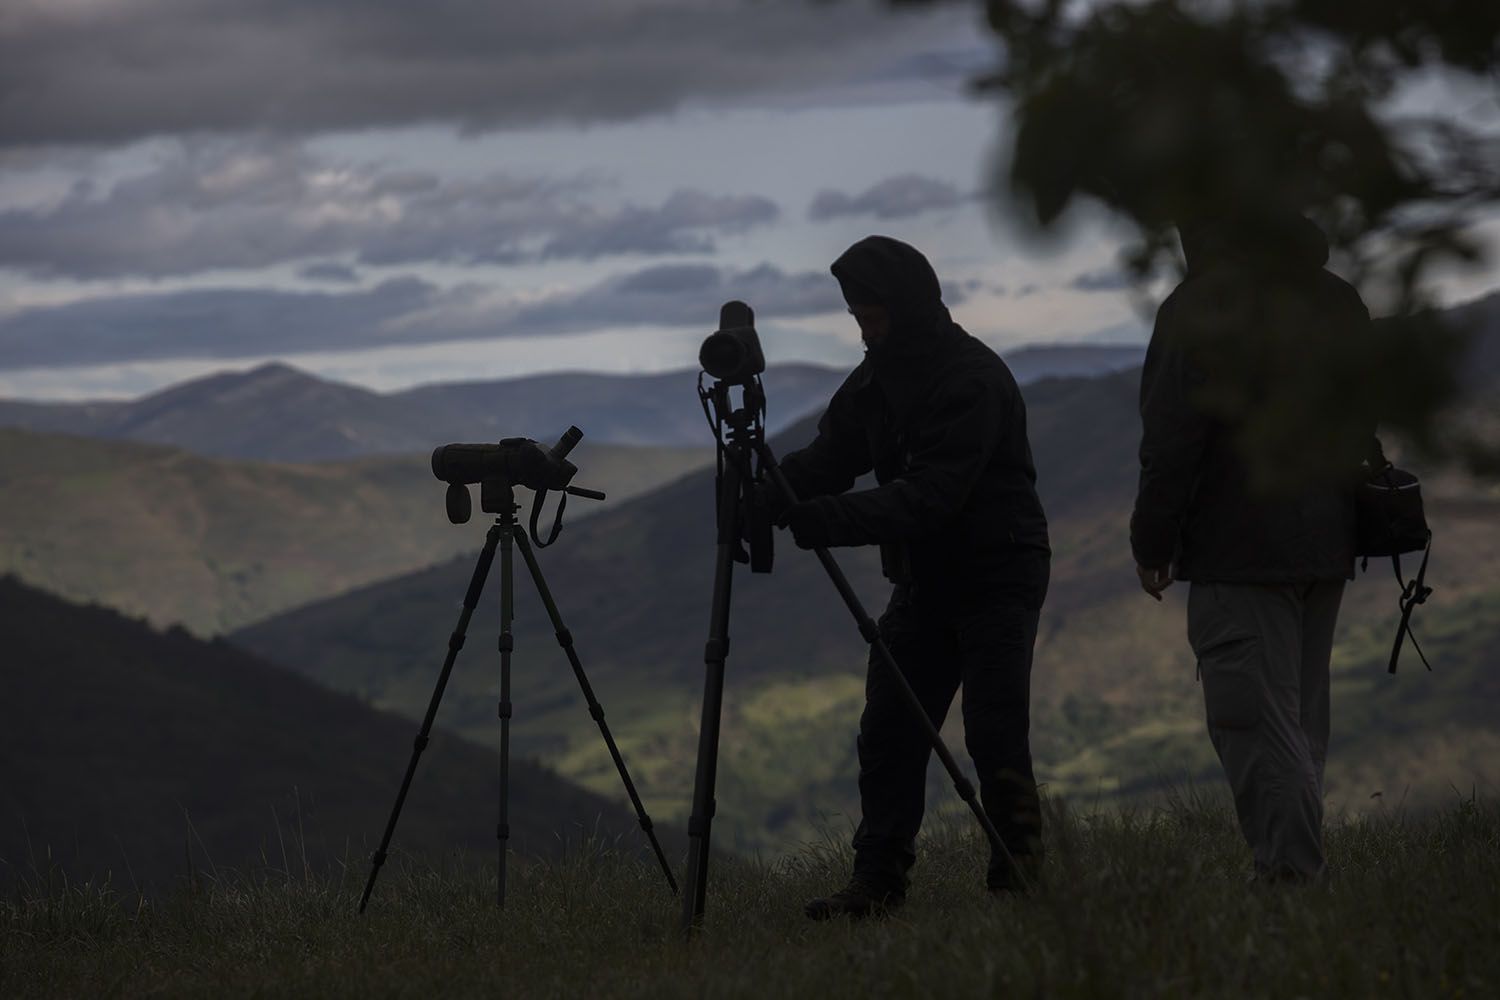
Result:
<point x="500" y="468"/>
<point x="732" y="356"/>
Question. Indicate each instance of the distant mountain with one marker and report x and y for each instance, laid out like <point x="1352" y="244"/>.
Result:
<point x="278" y="413"/>
<point x="216" y="544"/>
<point x="1116" y="710"/>
<point x="137" y="753"/>
<point x="622" y="409"/>
<point x="1482" y="319"/>
<point x="274" y="412"/>
<point x="1032" y="364"/>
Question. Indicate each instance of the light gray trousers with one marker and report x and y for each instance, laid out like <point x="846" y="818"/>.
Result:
<point x="1263" y="652"/>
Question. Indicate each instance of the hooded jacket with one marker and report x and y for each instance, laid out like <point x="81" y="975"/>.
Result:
<point x="937" y="416"/>
<point x="1251" y="419"/>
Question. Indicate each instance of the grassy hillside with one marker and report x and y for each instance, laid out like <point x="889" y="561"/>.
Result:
<point x="216" y="544"/>
<point x="1138" y="906"/>
<point x="151" y="755"/>
<point x="1116" y="708"/>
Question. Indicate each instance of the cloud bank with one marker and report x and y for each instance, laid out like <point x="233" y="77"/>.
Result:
<point x="894" y="198"/>
<point x="78" y="71"/>
<point x="243" y="323"/>
<point x="248" y="205"/>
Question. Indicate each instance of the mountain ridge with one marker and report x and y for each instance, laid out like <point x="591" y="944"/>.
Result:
<point x="158" y="753"/>
<point x="276" y="412"/>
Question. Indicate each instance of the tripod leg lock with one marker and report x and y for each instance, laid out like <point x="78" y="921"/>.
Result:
<point x="565" y="638"/>
<point x="456" y="641"/>
<point x="378" y="858"/>
<point x="507" y="642"/>
<point x="420" y="743"/>
<point x="698" y="825"/>
<point x="597" y="711"/>
<point x="505" y="710"/>
<point x="502" y="831"/>
<point x="869" y="630"/>
<point x="646" y="823"/>
<point x="716" y="650"/>
<point x="965" y="788"/>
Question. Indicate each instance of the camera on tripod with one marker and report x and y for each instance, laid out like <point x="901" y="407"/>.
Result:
<point x="732" y="356"/>
<point x="499" y="468"/>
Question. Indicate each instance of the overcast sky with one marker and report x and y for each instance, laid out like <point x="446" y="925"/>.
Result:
<point x="391" y="192"/>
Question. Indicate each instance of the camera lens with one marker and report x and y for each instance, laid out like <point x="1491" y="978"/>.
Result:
<point x="723" y="356"/>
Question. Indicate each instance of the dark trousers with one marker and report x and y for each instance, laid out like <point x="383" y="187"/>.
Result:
<point x="983" y="642"/>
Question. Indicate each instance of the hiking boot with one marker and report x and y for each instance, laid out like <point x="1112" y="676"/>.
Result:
<point x="1283" y="878"/>
<point x="1025" y="877"/>
<point x="862" y="897"/>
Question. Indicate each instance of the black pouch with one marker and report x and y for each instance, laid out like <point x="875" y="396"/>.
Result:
<point x="1389" y="509"/>
<point x="1391" y="522"/>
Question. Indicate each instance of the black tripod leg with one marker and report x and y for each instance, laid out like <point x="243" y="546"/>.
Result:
<point x="507" y="645"/>
<point x="455" y="643"/>
<point x="714" y="655"/>
<point x="871" y="633"/>
<point x="565" y="640"/>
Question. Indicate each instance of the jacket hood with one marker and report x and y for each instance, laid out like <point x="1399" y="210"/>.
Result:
<point x="1284" y="242"/>
<point x="887" y="272"/>
<point x="893" y="274"/>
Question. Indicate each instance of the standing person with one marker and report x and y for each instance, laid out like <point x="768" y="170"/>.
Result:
<point x="1250" y="438"/>
<point x="938" y="417"/>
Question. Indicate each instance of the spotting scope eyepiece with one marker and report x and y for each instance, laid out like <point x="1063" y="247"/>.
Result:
<point x="732" y="353"/>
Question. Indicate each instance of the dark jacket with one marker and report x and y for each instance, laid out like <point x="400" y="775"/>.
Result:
<point x="1251" y="435"/>
<point x="939" y="419"/>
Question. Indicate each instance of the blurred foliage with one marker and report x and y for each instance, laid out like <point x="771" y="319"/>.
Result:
<point x="1173" y="111"/>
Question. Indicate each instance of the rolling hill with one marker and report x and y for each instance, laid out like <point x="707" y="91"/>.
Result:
<point x="141" y="755"/>
<point x="216" y="544"/>
<point x="1116" y="710"/>
<point x="278" y="413"/>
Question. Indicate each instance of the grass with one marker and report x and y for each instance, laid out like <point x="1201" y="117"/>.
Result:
<point x="1135" y="904"/>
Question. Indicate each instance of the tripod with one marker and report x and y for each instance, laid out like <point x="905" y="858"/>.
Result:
<point x="507" y="534"/>
<point x="744" y="440"/>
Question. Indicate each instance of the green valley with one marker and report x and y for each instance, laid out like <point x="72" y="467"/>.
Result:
<point x="1116" y="710"/>
<point x="214" y="544"/>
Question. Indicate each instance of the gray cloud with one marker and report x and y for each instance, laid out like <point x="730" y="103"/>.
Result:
<point x="215" y="323"/>
<point x="109" y="73"/>
<point x="1103" y="280"/>
<point x="248" y="205"/>
<point x="684" y="295"/>
<point x="331" y="272"/>
<point x="235" y="323"/>
<point x="893" y="198"/>
<point x="681" y="225"/>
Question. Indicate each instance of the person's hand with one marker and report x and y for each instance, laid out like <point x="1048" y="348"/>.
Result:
<point x="773" y="501"/>
<point x="1154" y="581"/>
<point x="808" y="524"/>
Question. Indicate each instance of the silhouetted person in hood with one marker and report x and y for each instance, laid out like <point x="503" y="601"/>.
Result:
<point x="937" y="416"/>
<point x="1253" y="431"/>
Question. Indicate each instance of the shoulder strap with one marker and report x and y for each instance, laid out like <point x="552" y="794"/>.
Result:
<point x="536" y="513"/>
<point x="1413" y="592"/>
